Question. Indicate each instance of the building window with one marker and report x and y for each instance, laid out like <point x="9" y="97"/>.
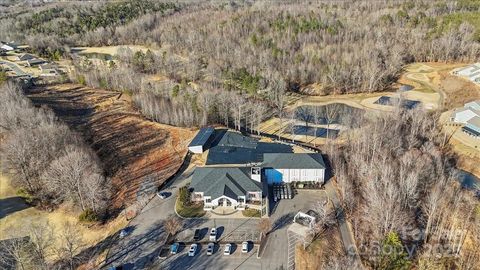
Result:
<point x="208" y="200"/>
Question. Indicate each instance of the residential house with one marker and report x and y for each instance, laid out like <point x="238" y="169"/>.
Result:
<point x="8" y="46"/>
<point x="25" y="57"/>
<point x="34" y="62"/>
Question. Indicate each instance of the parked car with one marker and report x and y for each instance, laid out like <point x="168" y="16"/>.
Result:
<point x="213" y="234"/>
<point x="210" y="248"/>
<point x="196" y="235"/>
<point x="174" y="248"/>
<point x="161" y="195"/>
<point x="192" y="250"/>
<point x="245" y="247"/>
<point x="124" y="232"/>
<point x="228" y="249"/>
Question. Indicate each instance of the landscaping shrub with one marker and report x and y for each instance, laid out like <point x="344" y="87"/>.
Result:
<point x="88" y="215"/>
<point x="25" y="195"/>
<point x="184" y="195"/>
<point x="252" y="213"/>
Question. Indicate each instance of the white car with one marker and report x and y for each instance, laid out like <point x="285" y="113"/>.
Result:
<point x="210" y="248"/>
<point x="192" y="250"/>
<point x="161" y="195"/>
<point x="245" y="247"/>
<point x="213" y="234"/>
<point x="228" y="249"/>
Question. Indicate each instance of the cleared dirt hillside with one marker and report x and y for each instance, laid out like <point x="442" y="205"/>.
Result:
<point x="137" y="154"/>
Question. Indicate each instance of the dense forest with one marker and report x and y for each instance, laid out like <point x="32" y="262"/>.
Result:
<point x="263" y="52"/>
<point x="398" y="182"/>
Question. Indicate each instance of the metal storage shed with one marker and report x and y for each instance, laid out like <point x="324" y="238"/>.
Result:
<point x="201" y="140"/>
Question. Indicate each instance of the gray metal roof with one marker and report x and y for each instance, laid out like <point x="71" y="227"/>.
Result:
<point x="223" y="151"/>
<point x="475" y="121"/>
<point x="234" y="139"/>
<point x="202" y="136"/>
<point x="224" y="181"/>
<point x="293" y="161"/>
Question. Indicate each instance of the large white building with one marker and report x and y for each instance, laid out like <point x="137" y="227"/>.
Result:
<point x="290" y="167"/>
<point x="469" y="111"/>
<point x="471" y="72"/>
<point x="239" y="168"/>
<point x="469" y="117"/>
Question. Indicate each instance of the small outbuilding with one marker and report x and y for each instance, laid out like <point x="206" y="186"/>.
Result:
<point x="34" y="62"/>
<point x="202" y="140"/>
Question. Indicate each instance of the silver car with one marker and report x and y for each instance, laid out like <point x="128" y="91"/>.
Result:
<point x="193" y="250"/>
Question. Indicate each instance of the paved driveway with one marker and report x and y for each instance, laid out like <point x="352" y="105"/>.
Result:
<point x="280" y="249"/>
<point x="143" y="244"/>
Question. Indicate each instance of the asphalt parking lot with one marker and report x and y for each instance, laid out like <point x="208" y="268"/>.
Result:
<point x="228" y="230"/>
<point x="237" y="260"/>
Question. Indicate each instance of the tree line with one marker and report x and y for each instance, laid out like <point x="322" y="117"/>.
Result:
<point x="178" y="103"/>
<point x="48" y="162"/>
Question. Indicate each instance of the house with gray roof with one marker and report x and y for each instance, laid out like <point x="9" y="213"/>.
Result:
<point x="226" y="186"/>
<point x="25" y="57"/>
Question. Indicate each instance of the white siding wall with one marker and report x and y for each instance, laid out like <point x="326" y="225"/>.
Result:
<point x="197" y="149"/>
<point x="215" y="201"/>
<point x="290" y="175"/>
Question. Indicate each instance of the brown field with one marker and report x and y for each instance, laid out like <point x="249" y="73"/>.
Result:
<point x="137" y="154"/>
<point x="19" y="215"/>
<point x="458" y="90"/>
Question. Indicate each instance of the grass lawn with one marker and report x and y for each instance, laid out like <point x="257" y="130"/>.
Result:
<point x="195" y="210"/>
<point x="250" y="212"/>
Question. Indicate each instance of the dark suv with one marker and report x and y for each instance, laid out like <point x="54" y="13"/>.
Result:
<point x="196" y="236"/>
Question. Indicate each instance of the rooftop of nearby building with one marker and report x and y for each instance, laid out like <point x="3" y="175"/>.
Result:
<point x="475" y="121"/>
<point x="293" y="161"/>
<point x="202" y="136"/>
<point x="474" y="105"/>
<point x="231" y="147"/>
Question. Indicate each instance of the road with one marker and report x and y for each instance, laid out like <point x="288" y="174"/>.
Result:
<point x="346" y="233"/>
<point x="280" y="246"/>
<point x="142" y="245"/>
